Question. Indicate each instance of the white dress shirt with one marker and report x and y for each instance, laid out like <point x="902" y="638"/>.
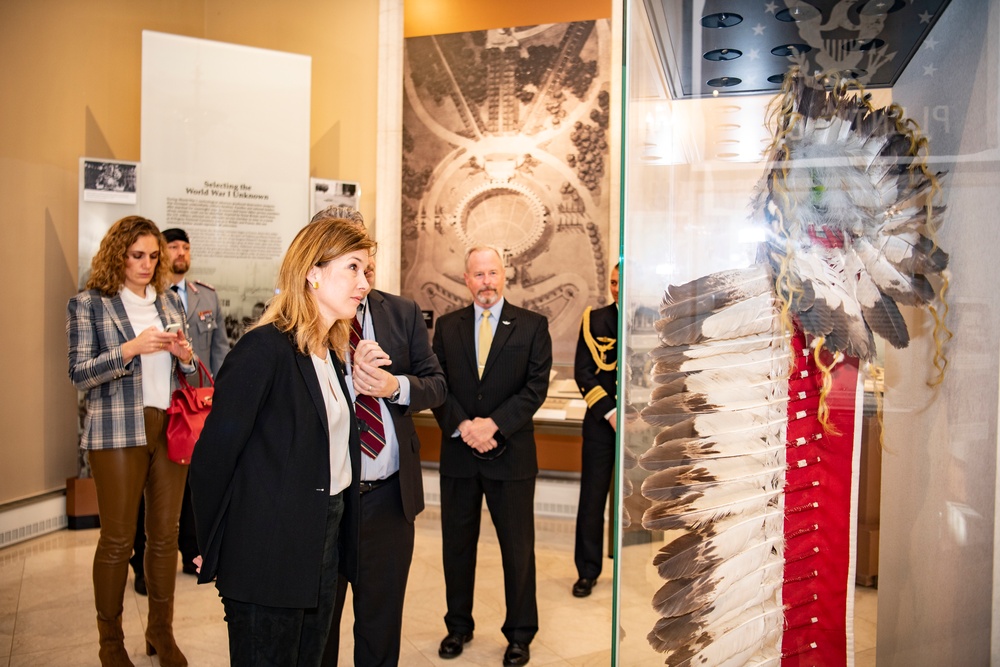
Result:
<point x="387" y="461"/>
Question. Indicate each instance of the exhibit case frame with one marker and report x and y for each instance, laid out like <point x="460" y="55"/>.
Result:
<point x="786" y="433"/>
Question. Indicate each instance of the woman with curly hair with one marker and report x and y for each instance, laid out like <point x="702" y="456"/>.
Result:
<point x="275" y="475"/>
<point x="126" y="339"/>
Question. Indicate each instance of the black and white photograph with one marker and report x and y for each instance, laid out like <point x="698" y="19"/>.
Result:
<point x="325" y="192"/>
<point x="505" y="143"/>
<point x="110" y="181"/>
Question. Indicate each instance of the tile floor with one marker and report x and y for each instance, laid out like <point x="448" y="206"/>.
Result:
<point x="47" y="617"/>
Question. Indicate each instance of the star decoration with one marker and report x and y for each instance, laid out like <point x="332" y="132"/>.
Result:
<point x="930" y="43"/>
<point x="758" y="29"/>
<point x="754" y="54"/>
<point x="926" y="17"/>
<point x="929" y="70"/>
<point x="770" y="8"/>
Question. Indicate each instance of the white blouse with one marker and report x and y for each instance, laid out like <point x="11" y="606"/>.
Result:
<point x="339" y="418"/>
<point x="156" y="366"/>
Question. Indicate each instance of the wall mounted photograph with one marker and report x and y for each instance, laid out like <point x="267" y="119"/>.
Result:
<point x="505" y="143"/>
<point x="111" y="181"/>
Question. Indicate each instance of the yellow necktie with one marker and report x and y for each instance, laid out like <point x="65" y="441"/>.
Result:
<point x="485" y="340"/>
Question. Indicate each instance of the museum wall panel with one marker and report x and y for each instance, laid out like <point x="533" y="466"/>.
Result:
<point x="71" y="82"/>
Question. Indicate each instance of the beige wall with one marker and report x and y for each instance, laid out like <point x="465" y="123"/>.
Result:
<point x="439" y="17"/>
<point x="70" y="82"/>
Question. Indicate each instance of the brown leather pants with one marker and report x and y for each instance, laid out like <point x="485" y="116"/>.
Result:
<point x="121" y="477"/>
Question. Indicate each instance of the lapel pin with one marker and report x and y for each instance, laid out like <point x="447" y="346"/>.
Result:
<point x="505" y="322"/>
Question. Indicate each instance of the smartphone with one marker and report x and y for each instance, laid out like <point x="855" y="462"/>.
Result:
<point x="173" y="327"/>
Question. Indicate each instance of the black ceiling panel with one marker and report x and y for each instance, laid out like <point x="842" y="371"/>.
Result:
<point x="754" y="42"/>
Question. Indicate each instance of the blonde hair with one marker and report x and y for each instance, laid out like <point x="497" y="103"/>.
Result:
<point x="107" y="268"/>
<point x="293" y="309"/>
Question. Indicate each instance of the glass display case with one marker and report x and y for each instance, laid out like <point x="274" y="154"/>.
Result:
<point x="809" y="355"/>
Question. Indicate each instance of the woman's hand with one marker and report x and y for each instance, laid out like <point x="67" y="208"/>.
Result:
<point x="181" y="348"/>
<point x="367" y="374"/>
<point x="153" y="340"/>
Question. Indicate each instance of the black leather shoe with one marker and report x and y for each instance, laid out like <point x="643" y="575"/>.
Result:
<point x="516" y="654"/>
<point x="581" y="588"/>
<point x="452" y="645"/>
<point x="140" y="584"/>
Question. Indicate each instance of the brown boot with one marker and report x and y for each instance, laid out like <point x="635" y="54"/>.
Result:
<point x="160" y="634"/>
<point x="113" y="653"/>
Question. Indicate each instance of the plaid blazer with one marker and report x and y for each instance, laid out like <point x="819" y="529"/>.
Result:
<point x="96" y="328"/>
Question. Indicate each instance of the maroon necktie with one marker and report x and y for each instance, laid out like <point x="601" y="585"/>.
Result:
<point x="367" y="408"/>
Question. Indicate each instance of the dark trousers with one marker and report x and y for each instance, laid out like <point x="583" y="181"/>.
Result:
<point x="262" y="636"/>
<point x="511" y="504"/>
<point x="385" y="551"/>
<point x="187" y="538"/>
<point x="595" y="481"/>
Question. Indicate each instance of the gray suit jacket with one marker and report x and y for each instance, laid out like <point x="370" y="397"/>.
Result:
<point x="96" y="328"/>
<point x="206" y="329"/>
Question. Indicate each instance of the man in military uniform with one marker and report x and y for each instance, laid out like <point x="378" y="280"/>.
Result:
<point x="595" y="372"/>
<point x="205" y="325"/>
<point x="207" y="334"/>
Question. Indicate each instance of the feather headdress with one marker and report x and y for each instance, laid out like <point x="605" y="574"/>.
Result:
<point x="848" y="202"/>
<point x="848" y="205"/>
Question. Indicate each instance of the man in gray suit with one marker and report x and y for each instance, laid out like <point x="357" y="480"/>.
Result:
<point x="207" y="334"/>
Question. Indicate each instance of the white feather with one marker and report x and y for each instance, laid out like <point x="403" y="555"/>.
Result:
<point x="763" y="359"/>
<point x="715" y="347"/>
<point x="708" y="476"/>
<point x="689" y="513"/>
<point x="682" y="596"/>
<point x="743" y="318"/>
<point x="701" y="396"/>
<point x="691" y="450"/>
<point x="746" y="318"/>
<point x="737" y="420"/>
<point x="674" y="633"/>
<point x="695" y="551"/>
<point x="737" y="640"/>
<point x="906" y="289"/>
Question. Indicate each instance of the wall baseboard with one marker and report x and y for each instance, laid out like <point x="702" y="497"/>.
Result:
<point x="32" y="519"/>
<point x="553" y="497"/>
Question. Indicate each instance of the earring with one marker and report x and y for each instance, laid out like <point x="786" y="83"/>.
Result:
<point x="315" y="284"/>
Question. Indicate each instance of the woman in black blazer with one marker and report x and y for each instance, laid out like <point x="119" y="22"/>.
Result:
<point x="277" y="467"/>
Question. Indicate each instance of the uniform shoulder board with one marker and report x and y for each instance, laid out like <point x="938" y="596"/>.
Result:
<point x="204" y="284"/>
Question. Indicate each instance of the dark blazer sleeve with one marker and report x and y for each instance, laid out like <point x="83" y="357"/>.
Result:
<point x="414" y="357"/>
<point x="450" y="413"/>
<point x="240" y="390"/>
<point x="401" y="332"/>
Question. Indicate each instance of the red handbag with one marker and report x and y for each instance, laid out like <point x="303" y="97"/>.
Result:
<point x="189" y="407"/>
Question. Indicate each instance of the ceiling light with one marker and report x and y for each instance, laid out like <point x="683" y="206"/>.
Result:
<point x="724" y="82"/>
<point x="721" y="20"/>
<point x="791" y="49"/>
<point x="723" y="55"/>
<point x="801" y="12"/>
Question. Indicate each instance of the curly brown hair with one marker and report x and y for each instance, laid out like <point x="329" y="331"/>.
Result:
<point x="107" y="269"/>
